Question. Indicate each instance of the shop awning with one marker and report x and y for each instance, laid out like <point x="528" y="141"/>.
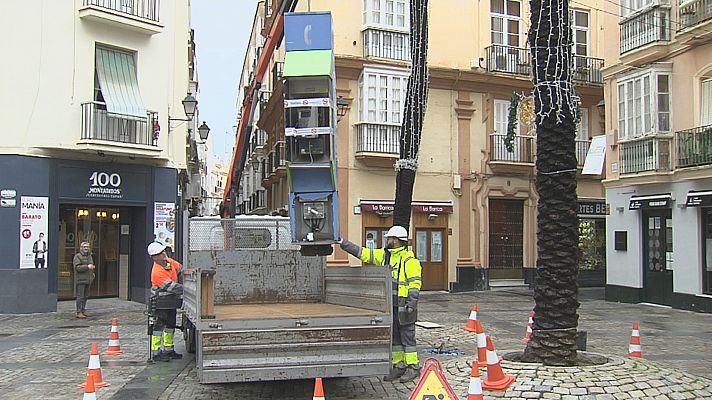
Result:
<point x="116" y="71"/>
<point x="699" y="199"/>
<point x="663" y="200"/>
<point x="308" y="63"/>
<point x="429" y="207"/>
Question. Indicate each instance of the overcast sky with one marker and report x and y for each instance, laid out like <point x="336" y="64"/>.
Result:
<point x="222" y="29"/>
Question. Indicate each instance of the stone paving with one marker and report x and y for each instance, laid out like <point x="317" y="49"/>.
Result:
<point x="45" y="355"/>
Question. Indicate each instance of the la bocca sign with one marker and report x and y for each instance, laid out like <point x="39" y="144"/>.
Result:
<point x="105" y="185"/>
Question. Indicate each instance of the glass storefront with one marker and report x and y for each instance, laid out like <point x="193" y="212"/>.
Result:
<point x="100" y="227"/>
<point x="592" y="244"/>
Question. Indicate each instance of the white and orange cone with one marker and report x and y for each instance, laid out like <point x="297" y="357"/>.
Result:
<point x="472" y="320"/>
<point x="528" y="334"/>
<point x="89" y="389"/>
<point x="474" y="392"/>
<point x="481" y="345"/>
<point x="94" y="368"/>
<point x="496" y="378"/>
<point x="318" y="390"/>
<point x="114" y="348"/>
<point x="634" y="349"/>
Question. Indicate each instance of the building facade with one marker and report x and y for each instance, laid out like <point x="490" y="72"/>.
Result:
<point x="658" y="91"/>
<point x="474" y="202"/>
<point x="93" y="150"/>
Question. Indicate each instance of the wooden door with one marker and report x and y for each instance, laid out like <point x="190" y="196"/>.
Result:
<point x="506" y="238"/>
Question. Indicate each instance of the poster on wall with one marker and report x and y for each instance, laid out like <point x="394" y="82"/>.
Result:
<point x="164" y="223"/>
<point x="33" y="231"/>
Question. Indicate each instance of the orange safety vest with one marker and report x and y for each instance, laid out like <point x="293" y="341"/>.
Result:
<point x="160" y="274"/>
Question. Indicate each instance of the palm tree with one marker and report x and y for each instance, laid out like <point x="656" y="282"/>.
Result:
<point x="553" y="341"/>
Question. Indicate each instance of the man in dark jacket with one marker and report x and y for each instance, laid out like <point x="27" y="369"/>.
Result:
<point x="84" y="275"/>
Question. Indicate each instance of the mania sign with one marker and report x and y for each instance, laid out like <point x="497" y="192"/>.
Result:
<point x="33" y="223"/>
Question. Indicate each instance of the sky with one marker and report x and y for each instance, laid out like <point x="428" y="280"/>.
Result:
<point x="222" y="29"/>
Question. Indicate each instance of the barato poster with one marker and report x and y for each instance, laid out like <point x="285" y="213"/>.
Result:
<point x="164" y="223"/>
<point x="33" y="229"/>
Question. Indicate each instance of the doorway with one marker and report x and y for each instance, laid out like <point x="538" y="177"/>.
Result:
<point x="430" y="250"/>
<point x="101" y="228"/>
<point x="506" y="238"/>
<point x="657" y="256"/>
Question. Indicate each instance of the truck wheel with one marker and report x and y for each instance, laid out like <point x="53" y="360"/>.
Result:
<point x="189" y="336"/>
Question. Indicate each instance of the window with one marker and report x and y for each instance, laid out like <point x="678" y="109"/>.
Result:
<point x="582" y="127"/>
<point x="579" y="31"/>
<point x="382" y="95"/>
<point x="644" y="104"/>
<point x="392" y="14"/>
<point x="706" y="114"/>
<point x="505" y="16"/>
<point x="629" y="7"/>
<point x="117" y="84"/>
<point x="707" y="246"/>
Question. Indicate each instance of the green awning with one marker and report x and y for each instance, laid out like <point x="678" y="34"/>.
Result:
<point x="116" y="71"/>
<point x="308" y="63"/>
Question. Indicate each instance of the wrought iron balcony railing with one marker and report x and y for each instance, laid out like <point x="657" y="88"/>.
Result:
<point x="98" y="124"/>
<point x="587" y="70"/>
<point x="386" y="44"/>
<point x="508" y="59"/>
<point x="523" y="148"/>
<point x="378" y="138"/>
<point x="645" y="154"/>
<point x="582" y="147"/>
<point x="694" y="147"/>
<point x="693" y="12"/>
<point x="147" y="9"/>
<point x="649" y="26"/>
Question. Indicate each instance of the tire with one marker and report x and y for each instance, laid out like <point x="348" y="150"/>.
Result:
<point x="190" y="338"/>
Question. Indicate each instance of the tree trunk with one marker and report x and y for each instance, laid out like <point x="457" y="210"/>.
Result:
<point x="553" y="341"/>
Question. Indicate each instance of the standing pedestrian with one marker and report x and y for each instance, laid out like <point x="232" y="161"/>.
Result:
<point x="406" y="283"/>
<point x="40" y="248"/>
<point x="168" y="295"/>
<point x="84" y="275"/>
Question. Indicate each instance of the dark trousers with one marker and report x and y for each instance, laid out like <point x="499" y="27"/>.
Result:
<point x="165" y="318"/>
<point x="82" y="295"/>
<point x="403" y="343"/>
<point x="39" y="262"/>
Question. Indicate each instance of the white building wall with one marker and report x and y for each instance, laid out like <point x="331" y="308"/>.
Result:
<point x="623" y="268"/>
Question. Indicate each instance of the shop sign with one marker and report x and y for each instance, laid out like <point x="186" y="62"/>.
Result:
<point x="105" y="185"/>
<point x="7" y="198"/>
<point x="418" y="207"/>
<point x="102" y="183"/>
<point x="33" y="223"/>
<point x="652" y="201"/>
<point x="699" y="199"/>
<point x="593" y="208"/>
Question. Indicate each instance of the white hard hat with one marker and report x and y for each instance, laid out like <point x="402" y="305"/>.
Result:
<point x="398" y="232"/>
<point x="156" y="248"/>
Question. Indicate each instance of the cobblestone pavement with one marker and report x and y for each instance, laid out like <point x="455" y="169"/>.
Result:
<point x="45" y="355"/>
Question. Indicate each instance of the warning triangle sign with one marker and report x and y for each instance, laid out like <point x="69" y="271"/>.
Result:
<point x="432" y="384"/>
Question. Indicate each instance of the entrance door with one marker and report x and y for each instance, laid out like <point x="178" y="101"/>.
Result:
<point x="657" y="256"/>
<point x="506" y="235"/>
<point x="430" y="251"/>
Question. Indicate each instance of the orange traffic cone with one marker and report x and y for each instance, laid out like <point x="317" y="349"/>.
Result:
<point x="114" y="348"/>
<point x="496" y="378"/>
<point x="89" y="389"/>
<point x="471" y="322"/>
<point x="474" y="392"/>
<point x="481" y="345"/>
<point x="634" y="349"/>
<point x="94" y="368"/>
<point x="528" y="335"/>
<point x="318" y="390"/>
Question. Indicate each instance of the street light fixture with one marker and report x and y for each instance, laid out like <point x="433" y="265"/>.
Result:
<point x="203" y="131"/>
<point x="342" y="107"/>
<point x="190" y="104"/>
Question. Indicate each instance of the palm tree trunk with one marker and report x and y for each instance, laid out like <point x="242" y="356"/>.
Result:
<point x="553" y="341"/>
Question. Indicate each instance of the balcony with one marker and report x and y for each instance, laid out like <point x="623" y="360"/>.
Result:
<point x="99" y="128"/>
<point x="587" y="71"/>
<point x="277" y="71"/>
<point x="386" y="44"/>
<point x="377" y="144"/>
<point x="694" y="147"/>
<point x="646" y="27"/>
<point x="695" y="19"/>
<point x="645" y="154"/>
<point x="519" y="160"/>
<point x="508" y="60"/>
<point x="582" y="147"/>
<point x="136" y="15"/>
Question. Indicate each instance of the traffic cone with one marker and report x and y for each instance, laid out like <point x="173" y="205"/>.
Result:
<point x="496" y="378"/>
<point x="94" y="368"/>
<point x="472" y="320"/>
<point x="481" y="345"/>
<point x="114" y="348"/>
<point x="89" y="389"/>
<point x="528" y="335"/>
<point x="318" y="390"/>
<point x="474" y="392"/>
<point x="634" y="349"/>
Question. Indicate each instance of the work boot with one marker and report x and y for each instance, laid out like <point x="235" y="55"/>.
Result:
<point x="161" y="356"/>
<point x="396" y="372"/>
<point x="81" y="315"/>
<point x="411" y="373"/>
<point x="173" y="355"/>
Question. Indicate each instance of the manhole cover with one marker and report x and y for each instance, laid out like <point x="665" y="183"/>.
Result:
<point x="439" y="351"/>
<point x="72" y="326"/>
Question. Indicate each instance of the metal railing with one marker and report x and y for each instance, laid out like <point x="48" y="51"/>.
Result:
<point x="378" y="138"/>
<point x="587" y="70"/>
<point x="582" y="147"/>
<point x="147" y="9"/>
<point x="693" y="12"/>
<point x="386" y="44"/>
<point x="98" y="124"/>
<point x="523" y="149"/>
<point x="645" y="154"/>
<point x="508" y="59"/>
<point x="649" y="26"/>
<point x="694" y="146"/>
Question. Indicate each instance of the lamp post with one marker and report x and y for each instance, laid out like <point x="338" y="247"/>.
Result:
<point x="190" y="104"/>
<point x="203" y="131"/>
<point x="342" y="106"/>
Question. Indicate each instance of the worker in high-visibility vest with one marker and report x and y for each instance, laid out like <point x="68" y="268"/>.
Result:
<point x="406" y="283"/>
<point x="167" y="293"/>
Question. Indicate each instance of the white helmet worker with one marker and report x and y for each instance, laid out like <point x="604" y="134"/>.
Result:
<point x="398" y="232"/>
<point x="156" y="248"/>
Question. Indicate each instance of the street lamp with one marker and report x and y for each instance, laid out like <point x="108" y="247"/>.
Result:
<point x="190" y="104"/>
<point x="203" y="131"/>
<point x="342" y="107"/>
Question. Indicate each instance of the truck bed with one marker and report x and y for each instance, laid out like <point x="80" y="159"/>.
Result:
<point x="286" y="310"/>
